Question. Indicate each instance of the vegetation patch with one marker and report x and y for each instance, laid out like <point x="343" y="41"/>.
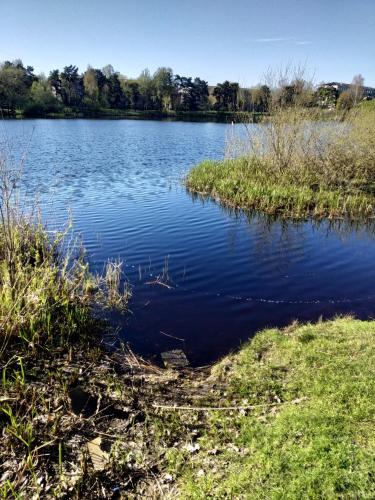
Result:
<point x="79" y="422"/>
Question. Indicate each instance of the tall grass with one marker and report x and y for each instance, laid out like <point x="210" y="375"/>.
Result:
<point x="335" y="155"/>
<point x="47" y="302"/>
<point x="46" y="289"/>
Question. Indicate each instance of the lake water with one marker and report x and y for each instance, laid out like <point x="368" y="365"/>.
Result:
<point x="231" y="274"/>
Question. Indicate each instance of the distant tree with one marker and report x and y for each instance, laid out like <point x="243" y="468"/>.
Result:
<point x="234" y="96"/>
<point x="20" y="88"/>
<point x="108" y="71"/>
<point x="27" y="72"/>
<point x="91" y="87"/>
<point x="256" y="98"/>
<point x="189" y="94"/>
<point x="265" y="98"/>
<point x="286" y="96"/>
<point x="244" y="99"/>
<point x="261" y="97"/>
<point x="220" y="96"/>
<point x="15" y="85"/>
<point x="101" y="81"/>
<point x="297" y="92"/>
<point x="226" y="95"/>
<point x="131" y="92"/>
<point x="356" y="89"/>
<point x="134" y="94"/>
<point x="115" y="94"/>
<point x="146" y="90"/>
<point x="164" y="87"/>
<point x="326" y="97"/>
<point x="201" y="94"/>
<point x="42" y="100"/>
<point x="71" y="86"/>
<point x="55" y="82"/>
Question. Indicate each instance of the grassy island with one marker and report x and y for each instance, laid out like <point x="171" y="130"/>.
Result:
<point x="297" y="167"/>
<point x="247" y="184"/>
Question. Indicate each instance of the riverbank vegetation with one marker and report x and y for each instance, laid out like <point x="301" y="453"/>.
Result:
<point x="296" y="166"/>
<point x="47" y="321"/>
<point x="163" y="94"/>
<point x="289" y="414"/>
<point x="46" y="290"/>
<point x="69" y="93"/>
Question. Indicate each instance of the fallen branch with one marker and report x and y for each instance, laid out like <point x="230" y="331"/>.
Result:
<point x="226" y="408"/>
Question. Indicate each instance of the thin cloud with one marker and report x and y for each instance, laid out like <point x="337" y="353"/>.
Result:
<point x="271" y="40"/>
<point x="281" y="40"/>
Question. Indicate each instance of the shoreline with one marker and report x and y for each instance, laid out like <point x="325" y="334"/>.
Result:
<point x="76" y="417"/>
<point x="193" y="116"/>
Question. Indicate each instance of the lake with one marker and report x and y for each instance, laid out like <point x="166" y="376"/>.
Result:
<point x="230" y="273"/>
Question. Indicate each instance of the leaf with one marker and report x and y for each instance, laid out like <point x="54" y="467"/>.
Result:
<point x="98" y="457"/>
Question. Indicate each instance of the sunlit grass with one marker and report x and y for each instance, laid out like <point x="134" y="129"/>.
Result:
<point x="317" y="441"/>
<point x="245" y="183"/>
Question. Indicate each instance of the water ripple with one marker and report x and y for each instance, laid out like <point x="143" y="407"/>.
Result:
<point x="232" y="273"/>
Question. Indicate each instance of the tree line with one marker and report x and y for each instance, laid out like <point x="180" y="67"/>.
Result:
<point x="97" y="89"/>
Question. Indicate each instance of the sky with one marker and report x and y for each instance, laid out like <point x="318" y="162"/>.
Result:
<point x="238" y="40"/>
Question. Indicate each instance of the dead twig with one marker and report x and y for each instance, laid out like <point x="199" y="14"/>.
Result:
<point x="171" y="336"/>
<point x="157" y="282"/>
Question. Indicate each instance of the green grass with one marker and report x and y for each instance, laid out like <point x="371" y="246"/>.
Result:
<point x="368" y="105"/>
<point x="47" y="300"/>
<point x="323" y="446"/>
<point x="47" y="293"/>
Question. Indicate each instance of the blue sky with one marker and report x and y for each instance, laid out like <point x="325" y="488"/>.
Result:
<point x="214" y="39"/>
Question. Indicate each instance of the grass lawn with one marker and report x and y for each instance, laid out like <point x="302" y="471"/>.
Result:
<point x="313" y="435"/>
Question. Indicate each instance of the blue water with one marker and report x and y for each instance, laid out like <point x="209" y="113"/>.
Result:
<point x="231" y="274"/>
